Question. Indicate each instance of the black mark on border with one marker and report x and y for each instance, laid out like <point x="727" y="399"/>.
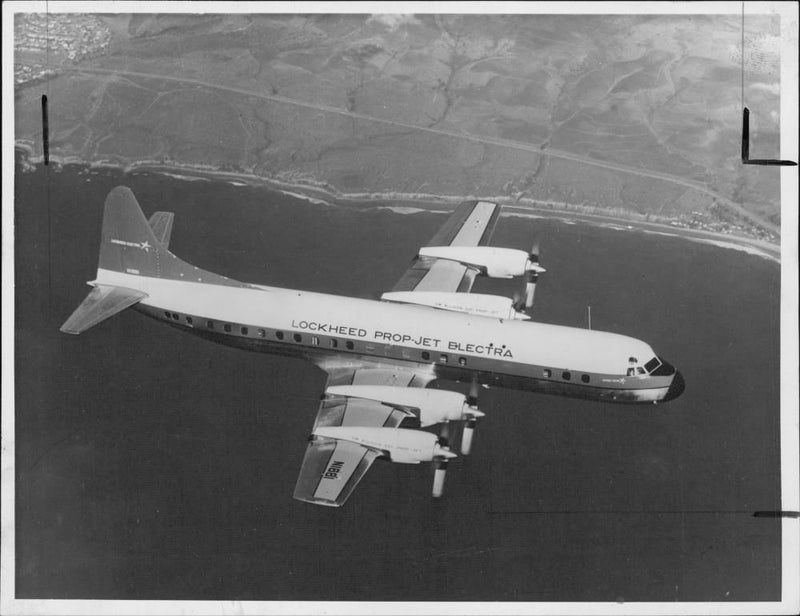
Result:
<point x="45" y="131"/>
<point x="746" y="147"/>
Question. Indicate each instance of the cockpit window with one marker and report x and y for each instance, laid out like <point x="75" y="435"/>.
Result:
<point x="652" y="364"/>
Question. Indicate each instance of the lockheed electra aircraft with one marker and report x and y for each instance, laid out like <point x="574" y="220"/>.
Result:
<point x="379" y="355"/>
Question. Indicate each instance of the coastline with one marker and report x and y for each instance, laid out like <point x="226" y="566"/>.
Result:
<point x="323" y="194"/>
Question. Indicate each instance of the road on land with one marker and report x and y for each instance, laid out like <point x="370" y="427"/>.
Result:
<point x="507" y="143"/>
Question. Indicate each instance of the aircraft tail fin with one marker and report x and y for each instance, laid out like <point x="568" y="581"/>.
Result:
<point x="132" y="245"/>
<point x="129" y="244"/>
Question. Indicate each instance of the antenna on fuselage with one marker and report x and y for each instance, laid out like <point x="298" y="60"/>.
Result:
<point x="589" y="313"/>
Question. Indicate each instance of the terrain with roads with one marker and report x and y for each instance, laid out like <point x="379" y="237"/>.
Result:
<point x="634" y="117"/>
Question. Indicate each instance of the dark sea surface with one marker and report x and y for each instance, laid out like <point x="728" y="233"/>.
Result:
<point x="154" y="465"/>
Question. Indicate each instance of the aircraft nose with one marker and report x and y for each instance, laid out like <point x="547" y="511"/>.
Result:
<point x="676" y="387"/>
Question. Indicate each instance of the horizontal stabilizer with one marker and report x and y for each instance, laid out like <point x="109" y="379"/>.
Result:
<point x="161" y="224"/>
<point x="102" y="302"/>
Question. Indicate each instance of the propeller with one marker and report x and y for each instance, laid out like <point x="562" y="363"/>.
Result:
<point x="472" y="413"/>
<point x="532" y="271"/>
<point x="441" y="457"/>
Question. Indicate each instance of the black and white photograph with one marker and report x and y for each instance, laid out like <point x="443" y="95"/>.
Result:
<point x="402" y="307"/>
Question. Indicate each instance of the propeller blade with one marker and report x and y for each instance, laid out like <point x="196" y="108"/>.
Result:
<point x="532" y="271"/>
<point x="472" y="414"/>
<point x="444" y="434"/>
<point x="518" y="302"/>
<point x="474" y="388"/>
<point x="466" y="437"/>
<point x="530" y="289"/>
<point x="439" y="473"/>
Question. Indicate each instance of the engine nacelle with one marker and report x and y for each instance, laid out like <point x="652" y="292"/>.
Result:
<point x="432" y="406"/>
<point x="400" y="445"/>
<point x="478" y="304"/>
<point x="494" y="262"/>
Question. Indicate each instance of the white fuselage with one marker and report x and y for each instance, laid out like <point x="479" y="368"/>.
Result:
<point x="400" y="332"/>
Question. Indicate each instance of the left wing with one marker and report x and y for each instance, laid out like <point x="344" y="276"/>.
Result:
<point x="472" y="224"/>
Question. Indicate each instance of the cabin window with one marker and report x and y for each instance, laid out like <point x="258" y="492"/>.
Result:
<point x="314" y="339"/>
<point x="210" y="324"/>
<point x="443" y="358"/>
<point x="639" y="370"/>
<point x="585" y="378"/>
<point x="189" y="320"/>
<point x="633" y="360"/>
<point x="279" y="335"/>
<point x="227" y="327"/>
<point x="297" y="338"/>
<point x="547" y="373"/>
<point x="243" y="330"/>
<point x="166" y="313"/>
<point x="262" y="333"/>
<point x="176" y="316"/>
<point x="462" y="361"/>
<point x="631" y="371"/>
<point x="349" y="344"/>
<point x="566" y="375"/>
<point x="426" y="355"/>
<point x="333" y="343"/>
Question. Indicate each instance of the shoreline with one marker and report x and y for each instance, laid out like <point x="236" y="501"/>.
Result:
<point x="409" y="203"/>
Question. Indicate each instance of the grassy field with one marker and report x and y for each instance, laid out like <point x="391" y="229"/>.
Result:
<point x="626" y="113"/>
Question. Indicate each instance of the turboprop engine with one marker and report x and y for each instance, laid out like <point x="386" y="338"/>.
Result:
<point x="491" y="261"/>
<point x="431" y="406"/>
<point x="470" y="303"/>
<point x="398" y="445"/>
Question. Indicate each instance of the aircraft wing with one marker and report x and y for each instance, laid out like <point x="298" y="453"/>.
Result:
<point x="332" y="468"/>
<point x="103" y="301"/>
<point x="472" y="224"/>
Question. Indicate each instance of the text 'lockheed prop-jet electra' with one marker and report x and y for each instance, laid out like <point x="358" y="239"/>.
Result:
<point x="379" y="355"/>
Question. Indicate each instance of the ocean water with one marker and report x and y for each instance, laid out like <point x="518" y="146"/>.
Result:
<point x="154" y="465"/>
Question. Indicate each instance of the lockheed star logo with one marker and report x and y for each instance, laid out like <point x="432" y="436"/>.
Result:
<point x="142" y="245"/>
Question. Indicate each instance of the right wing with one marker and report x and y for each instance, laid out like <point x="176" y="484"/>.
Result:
<point x="332" y="468"/>
<point x="472" y="224"/>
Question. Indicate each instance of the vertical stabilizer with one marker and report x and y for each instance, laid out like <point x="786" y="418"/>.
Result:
<point x="129" y="244"/>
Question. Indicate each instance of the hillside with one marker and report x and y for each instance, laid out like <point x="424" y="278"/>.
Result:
<point x="636" y="116"/>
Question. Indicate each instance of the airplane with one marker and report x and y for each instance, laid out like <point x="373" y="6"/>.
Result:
<point x="379" y="356"/>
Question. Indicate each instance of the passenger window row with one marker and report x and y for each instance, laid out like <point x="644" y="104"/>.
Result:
<point x="315" y="340"/>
